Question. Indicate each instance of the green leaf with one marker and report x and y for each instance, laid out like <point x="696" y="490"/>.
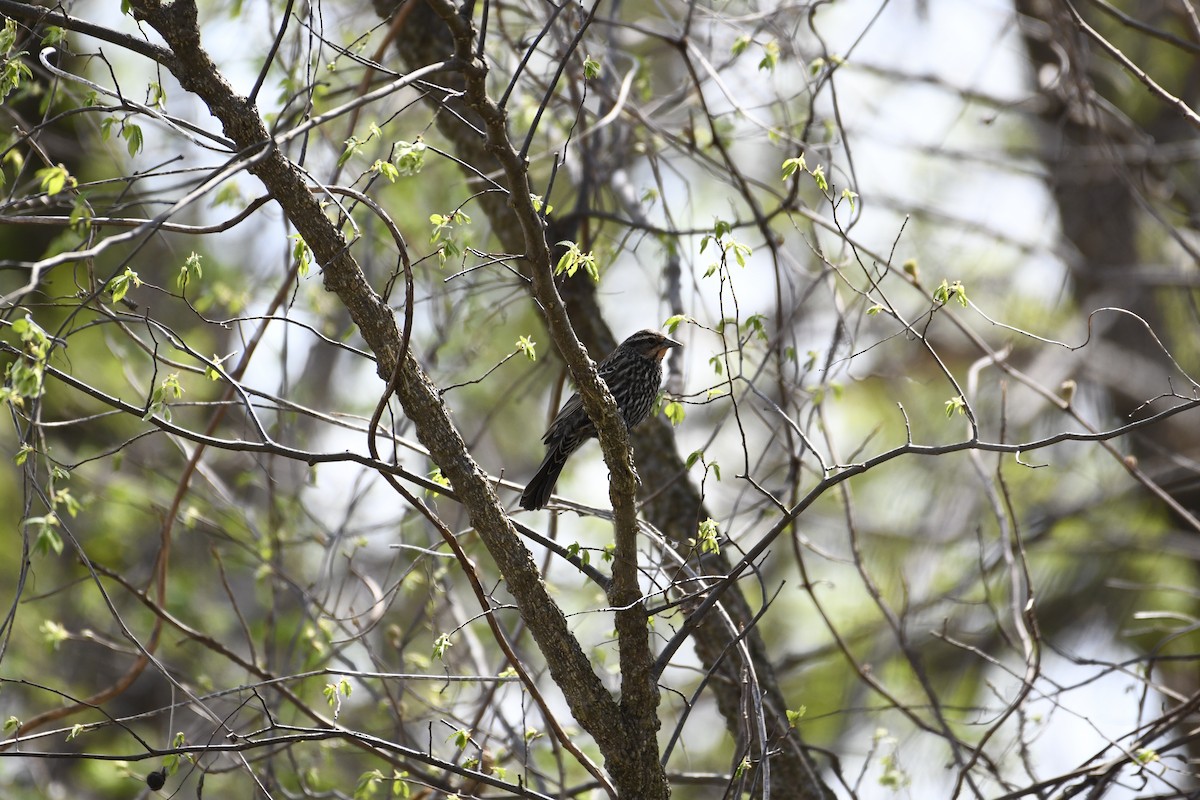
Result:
<point x="62" y="498"/>
<point x="445" y="235"/>
<point x="157" y="96"/>
<point x="409" y="157"/>
<point x="13" y="73"/>
<point x="942" y="293"/>
<point x="22" y="454"/>
<point x="1145" y="755"/>
<point x="120" y="284"/>
<point x="770" y="56"/>
<point x="756" y="323"/>
<point x="302" y="254"/>
<point x="818" y="174"/>
<point x="53" y="633"/>
<point x="334" y="694"/>
<point x="960" y="292"/>
<point x="54" y="179"/>
<point x="591" y="68"/>
<point x="48" y="539"/>
<point x="527" y="346"/>
<point x="674" y="412"/>
<point x="81" y="214"/>
<point x="708" y="538"/>
<point x="350" y="147"/>
<point x="893" y="776"/>
<point x="387" y="169"/>
<point x="400" y="787"/>
<point x="793" y="165"/>
<point x="332" y="698"/>
<point x="573" y="259"/>
<point x="191" y="270"/>
<point x="367" y="785"/>
<point x="437" y="477"/>
<point x="740" y="44"/>
<point x="210" y="370"/>
<point x="230" y="194"/>
<point x="956" y="403"/>
<point x="25" y="380"/>
<point x="133" y="138"/>
<point x="576" y="550"/>
<point x="946" y="290"/>
<point x="673" y="322"/>
<point x="441" y="645"/>
<point x="354" y="145"/>
<point x="8" y="35"/>
<point x="169" y="389"/>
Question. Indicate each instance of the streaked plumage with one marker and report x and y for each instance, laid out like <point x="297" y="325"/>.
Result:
<point x="633" y="373"/>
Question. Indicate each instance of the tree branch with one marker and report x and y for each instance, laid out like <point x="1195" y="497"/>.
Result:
<point x="591" y="704"/>
<point x="634" y="763"/>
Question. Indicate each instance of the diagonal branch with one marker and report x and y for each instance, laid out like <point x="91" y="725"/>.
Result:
<point x="635" y="765"/>
<point x="591" y="704"/>
<point x="676" y="507"/>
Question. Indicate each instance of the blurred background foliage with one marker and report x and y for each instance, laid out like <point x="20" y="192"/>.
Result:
<point x="1041" y="606"/>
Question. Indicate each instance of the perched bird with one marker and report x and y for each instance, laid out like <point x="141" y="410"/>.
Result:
<point x="633" y="372"/>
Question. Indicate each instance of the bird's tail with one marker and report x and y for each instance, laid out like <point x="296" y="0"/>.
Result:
<point x="541" y="485"/>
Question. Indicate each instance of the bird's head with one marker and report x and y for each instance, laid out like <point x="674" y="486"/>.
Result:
<point x="650" y="344"/>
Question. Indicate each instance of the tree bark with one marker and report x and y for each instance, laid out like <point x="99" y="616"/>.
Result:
<point x="675" y="509"/>
<point x="590" y="703"/>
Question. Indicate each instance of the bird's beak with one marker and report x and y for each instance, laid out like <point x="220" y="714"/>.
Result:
<point x="667" y="345"/>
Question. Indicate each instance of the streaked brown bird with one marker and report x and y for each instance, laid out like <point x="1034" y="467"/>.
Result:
<point x="633" y="373"/>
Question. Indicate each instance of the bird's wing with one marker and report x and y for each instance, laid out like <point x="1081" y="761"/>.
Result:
<point x="572" y="408"/>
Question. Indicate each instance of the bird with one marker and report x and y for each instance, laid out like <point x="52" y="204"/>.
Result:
<point x="633" y="373"/>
